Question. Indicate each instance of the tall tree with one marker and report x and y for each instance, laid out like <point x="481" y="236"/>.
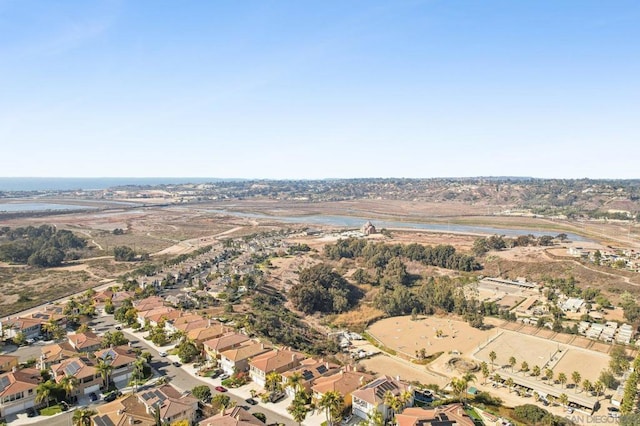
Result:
<point x="82" y="416"/>
<point x="44" y="391"/>
<point x="69" y="384"/>
<point x="492" y="357"/>
<point x="332" y="403"/>
<point x="105" y="368"/>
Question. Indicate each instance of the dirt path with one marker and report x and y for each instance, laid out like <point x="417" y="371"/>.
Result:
<point x="88" y="234"/>
<point x="187" y="246"/>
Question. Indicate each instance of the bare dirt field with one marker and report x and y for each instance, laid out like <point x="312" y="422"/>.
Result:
<point x="407" y="336"/>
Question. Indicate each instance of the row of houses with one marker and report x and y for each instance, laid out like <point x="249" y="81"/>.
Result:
<point x="79" y="357"/>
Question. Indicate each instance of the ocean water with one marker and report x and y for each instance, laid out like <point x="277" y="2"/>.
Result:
<point x="70" y="184"/>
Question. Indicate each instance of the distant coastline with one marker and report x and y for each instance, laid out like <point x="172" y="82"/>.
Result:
<point x="86" y="184"/>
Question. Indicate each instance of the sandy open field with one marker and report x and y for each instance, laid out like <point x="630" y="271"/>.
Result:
<point x="406" y="336"/>
<point x="539" y="351"/>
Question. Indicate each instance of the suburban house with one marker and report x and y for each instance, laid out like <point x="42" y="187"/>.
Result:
<point x="89" y="378"/>
<point x="119" y="297"/>
<point x="237" y="359"/>
<point x="123" y="412"/>
<point x="277" y="360"/>
<point x="53" y="354"/>
<point x="214" y="347"/>
<point x="371" y="397"/>
<point x="85" y="342"/>
<point x="148" y="303"/>
<point x="101" y="297"/>
<point x="172" y="404"/>
<point x="309" y="370"/>
<point x="8" y="362"/>
<point x="182" y="323"/>
<point x="29" y="327"/>
<point x="236" y="416"/>
<point x="444" y="415"/>
<point x="344" y="382"/>
<point x="213" y="331"/>
<point x="18" y="390"/>
<point x="49" y="315"/>
<point x="121" y="359"/>
<point x="157" y="315"/>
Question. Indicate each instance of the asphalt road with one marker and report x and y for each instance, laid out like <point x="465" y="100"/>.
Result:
<point x="178" y="376"/>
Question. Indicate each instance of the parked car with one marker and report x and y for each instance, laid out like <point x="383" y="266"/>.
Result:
<point x="118" y="327"/>
<point x="251" y="401"/>
<point x="93" y="397"/>
<point x="220" y="388"/>
<point x="31" y="412"/>
<point x="176" y="364"/>
<point x="224" y="376"/>
<point x="346" y="420"/>
<point x="163" y="354"/>
<point x="112" y="396"/>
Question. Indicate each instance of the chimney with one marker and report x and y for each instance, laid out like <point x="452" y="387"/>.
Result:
<point x="119" y="412"/>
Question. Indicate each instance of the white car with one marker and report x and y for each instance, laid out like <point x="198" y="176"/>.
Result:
<point x="162" y="354"/>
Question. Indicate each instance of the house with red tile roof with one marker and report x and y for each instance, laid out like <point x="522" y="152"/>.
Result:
<point x="85" y="342"/>
<point x="18" y="390"/>
<point x="89" y="378"/>
<point x="173" y="405"/>
<point x="236" y="416"/>
<point x="371" y="397"/>
<point x="121" y="359"/>
<point x="214" y="347"/>
<point x="238" y="357"/>
<point x="276" y="360"/>
<point x="443" y="415"/>
<point x="309" y="370"/>
<point x="345" y="381"/>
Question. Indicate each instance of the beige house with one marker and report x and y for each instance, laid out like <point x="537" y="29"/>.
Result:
<point x="444" y="415"/>
<point x="371" y="396"/>
<point x="344" y="382"/>
<point x="309" y="370"/>
<point x="172" y="404"/>
<point x="123" y="412"/>
<point x="85" y="342"/>
<point x="212" y="331"/>
<point x="53" y="354"/>
<point x="121" y="359"/>
<point x="277" y="360"/>
<point x="18" y="390"/>
<point x="237" y="359"/>
<point x="8" y="362"/>
<point x="29" y="327"/>
<point x="214" y="347"/>
<point x="236" y="416"/>
<point x="89" y="379"/>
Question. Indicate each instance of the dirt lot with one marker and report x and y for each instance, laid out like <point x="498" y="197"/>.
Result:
<point x="407" y="336"/>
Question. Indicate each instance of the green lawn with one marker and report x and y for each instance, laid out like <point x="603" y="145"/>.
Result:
<point x="50" y="411"/>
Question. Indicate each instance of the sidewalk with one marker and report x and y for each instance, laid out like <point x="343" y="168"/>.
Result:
<point x="243" y="392"/>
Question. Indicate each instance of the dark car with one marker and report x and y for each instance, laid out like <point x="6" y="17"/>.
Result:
<point x="31" y="412"/>
<point x="111" y="396"/>
<point x="118" y="327"/>
<point x="220" y="388"/>
<point x="251" y="401"/>
<point x="93" y="397"/>
<point x="176" y="364"/>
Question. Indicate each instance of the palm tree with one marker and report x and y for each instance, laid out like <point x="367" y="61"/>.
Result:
<point x="138" y="372"/>
<point x="331" y="402"/>
<point x="273" y="382"/>
<point x="524" y="367"/>
<point x="69" y="384"/>
<point x="484" y="368"/>
<point x="535" y="372"/>
<point x="512" y="362"/>
<point x="295" y="381"/>
<point x="548" y="374"/>
<point x="43" y="392"/>
<point x="536" y="396"/>
<point x="575" y="377"/>
<point x="492" y="357"/>
<point x="509" y="383"/>
<point x="496" y="378"/>
<point x="405" y="397"/>
<point x="598" y="387"/>
<point x="82" y="417"/>
<point x="586" y="385"/>
<point x="562" y="378"/>
<point x="393" y="402"/>
<point x="298" y="410"/>
<point x="459" y="387"/>
<point x="563" y="399"/>
<point x="105" y="368"/>
<point x="374" y="418"/>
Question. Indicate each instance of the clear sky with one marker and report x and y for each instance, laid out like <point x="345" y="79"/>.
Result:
<point x="315" y="89"/>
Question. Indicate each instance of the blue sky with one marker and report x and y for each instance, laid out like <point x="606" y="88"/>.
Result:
<point x="302" y="89"/>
